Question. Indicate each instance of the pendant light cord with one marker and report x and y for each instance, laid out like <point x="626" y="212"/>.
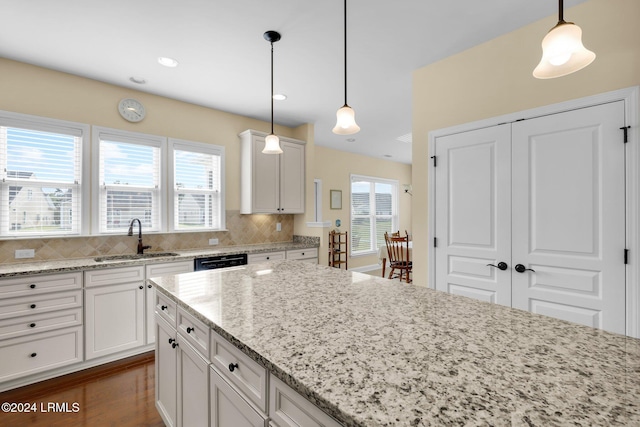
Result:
<point x="272" y="88"/>
<point x="345" y="52"/>
<point x="560" y="11"/>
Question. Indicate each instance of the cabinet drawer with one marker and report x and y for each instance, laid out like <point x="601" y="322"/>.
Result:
<point x="287" y="408"/>
<point x="268" y="256"/>
<point x="166" y="308"/>
<point x="303" y="254"/>
<point x="23" y="306"/>
<point x="32" y="285"/>
<point x="247" y="375"/>
<point x="167" y="268"/>
<point x="113" y="276"/>
<point x="41" y="322"/>
<point x="36" y="353"/>
<point x="196" y="332"/>
<point x="228" y="407"/>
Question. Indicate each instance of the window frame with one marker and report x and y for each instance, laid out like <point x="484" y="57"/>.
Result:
<point x="46" y="124"/>
<point x="395" y="213"/>
<point x="197" y="147"/>
<point x="160" y="142"/>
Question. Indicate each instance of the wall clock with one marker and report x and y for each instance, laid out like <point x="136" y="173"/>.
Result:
<point x="131" y="110"/>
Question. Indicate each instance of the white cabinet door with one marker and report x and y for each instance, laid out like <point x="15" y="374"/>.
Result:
<point x="193" y="386"/>
<point x="271" y="183"/>
<point x="547" y="197"/>
<point x="569" y="216"/>
<point x="114" y="318"/>
<point x="228" y="408"/>
<point x="292" y="178"/>
<point x="166" y="373"/>
<point x="473" y="214"/>
<point x="266" y="179"/>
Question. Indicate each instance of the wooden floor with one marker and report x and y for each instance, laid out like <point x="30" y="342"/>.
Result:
<point x="117" y="394"/>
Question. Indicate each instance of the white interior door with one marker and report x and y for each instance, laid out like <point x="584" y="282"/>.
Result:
<point x="569" y="216"/>
<point x="473" y="214"/>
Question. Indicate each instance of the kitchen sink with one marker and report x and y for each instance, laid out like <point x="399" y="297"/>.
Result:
<point x="134" y="256"/>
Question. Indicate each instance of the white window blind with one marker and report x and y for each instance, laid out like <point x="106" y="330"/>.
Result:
<point x="41" y="163"/>
<point x="129" y="179"/>
<point x="197" y="186"/>
<point x="373" y="212"/>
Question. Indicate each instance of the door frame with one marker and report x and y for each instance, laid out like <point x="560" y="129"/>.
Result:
<point x="631" y="98"/>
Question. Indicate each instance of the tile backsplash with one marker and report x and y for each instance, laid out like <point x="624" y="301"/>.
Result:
<point x="241" y="230"/>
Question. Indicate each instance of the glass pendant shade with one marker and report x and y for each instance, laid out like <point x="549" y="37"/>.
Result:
<point x="563" y="52"/>
<point x="346" y="121"/>
<point x="272" y="145"/>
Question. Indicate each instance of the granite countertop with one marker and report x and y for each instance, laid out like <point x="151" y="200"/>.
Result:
<point x="373" y="352"/>
<point x="58" y="266"/>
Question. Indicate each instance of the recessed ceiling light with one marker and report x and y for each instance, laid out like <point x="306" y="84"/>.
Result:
<point x="407" y="138"/>
<point x="279" y="96"/>
<point x="137" y="80"/>
<point x="351" y="140"/>
<point x="167" y="62"/>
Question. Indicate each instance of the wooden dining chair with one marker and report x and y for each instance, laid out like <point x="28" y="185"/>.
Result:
<point x="398" y="253"/>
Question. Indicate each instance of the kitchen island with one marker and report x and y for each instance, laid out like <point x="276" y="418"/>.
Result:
<point x="373" y="352"/>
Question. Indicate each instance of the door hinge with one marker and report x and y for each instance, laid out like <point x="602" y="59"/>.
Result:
<point x="435" y="161"/>
<point x="435" y="242"/>
<point x="626" y="256"/>
<point x="625" y="129"/>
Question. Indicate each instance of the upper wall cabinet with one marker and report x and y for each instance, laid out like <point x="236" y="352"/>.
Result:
<point x="271" y="183"/>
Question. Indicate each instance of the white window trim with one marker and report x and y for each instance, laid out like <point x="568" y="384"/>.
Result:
<point x="201" y="147"/>
<point x="395" y="220"/>
<point x="82" y="130"/>
<point x="131" y="137"/>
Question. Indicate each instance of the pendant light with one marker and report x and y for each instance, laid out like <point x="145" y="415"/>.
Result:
<point x="562" y="50"/>
<point x="346" y="117"/>
<point x="272" y="142"/>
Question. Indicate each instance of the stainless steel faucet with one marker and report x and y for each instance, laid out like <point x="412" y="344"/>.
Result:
<point x="141" y="247"/>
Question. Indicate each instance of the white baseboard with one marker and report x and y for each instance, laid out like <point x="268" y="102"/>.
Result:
<point x="366" y="268"/>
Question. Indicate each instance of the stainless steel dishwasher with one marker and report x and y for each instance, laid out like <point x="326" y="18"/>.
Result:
<point x="219" y="261"/>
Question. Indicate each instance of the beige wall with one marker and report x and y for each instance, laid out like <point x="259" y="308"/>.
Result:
<point x="334" y="168"/>
<point x="495" y="78"/>
<point x="38" y="91"/>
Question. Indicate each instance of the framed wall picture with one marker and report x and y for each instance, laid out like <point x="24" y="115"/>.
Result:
<point x="336" y="199"/>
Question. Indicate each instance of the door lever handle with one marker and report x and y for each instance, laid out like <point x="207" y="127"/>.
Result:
<point x="521" y="268"/>
<point x="501" y="266"/>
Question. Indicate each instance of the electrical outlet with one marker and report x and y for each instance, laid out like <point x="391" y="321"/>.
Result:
<point x="25" y="253"/>
<point x="278" y="226"/>
<point x="213" y="241"/>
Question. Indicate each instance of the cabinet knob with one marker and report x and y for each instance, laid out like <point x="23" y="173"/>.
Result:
<point x="267" y="257"/>
<point x="174" y="345"/>
<point x="163" y="308"/>
<point x="149" y="286"/>
<point x="32" y="306"/>
<point x="302" y="253"/>
<point x="33" y="354"/>
<point x="32" y="286"/>
<point x="171" y="340"/>
<point x="140" y="287"/>
<point x="32" y="325"/>
<point x="233" y="367"/>
<point x="189" y="329"/>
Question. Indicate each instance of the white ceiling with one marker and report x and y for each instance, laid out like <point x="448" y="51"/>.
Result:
<point x="225" y="62"/>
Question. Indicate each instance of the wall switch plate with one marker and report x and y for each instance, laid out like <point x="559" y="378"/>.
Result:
<point x="213" y="241"/>
<point x="278" y="226"/>
<point x="25" y="253"/>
